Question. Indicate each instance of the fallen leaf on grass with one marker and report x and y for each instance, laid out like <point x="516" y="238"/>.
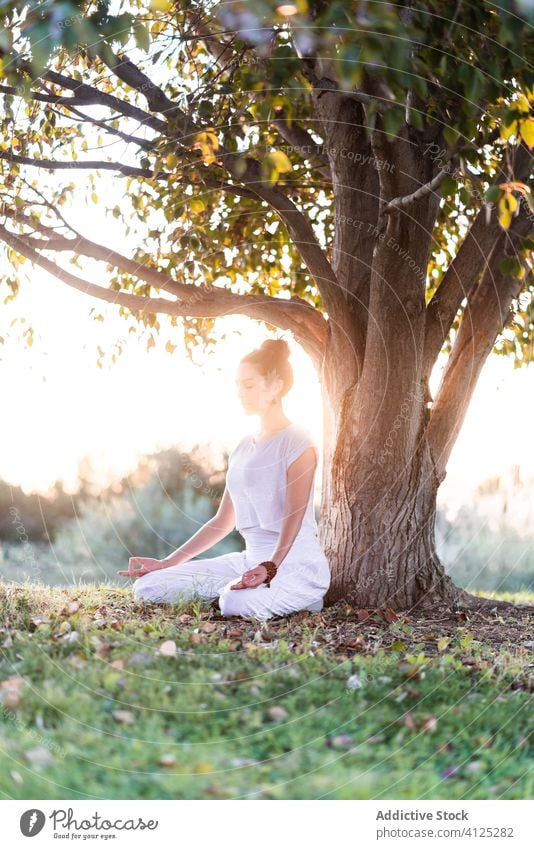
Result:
<point x="70" y="608"/>
<point x="38" y="756"/>
<point x="203" y="768"/>
<point x="353" y="642"/>
<point x="10" y="692"/>
<point x="167" y="760"/>
<point x="277" y="712"/>
<point x="389" y="615"/>
<point x="450" y="771"/>
<point x="354" y="683"/>
<point x="341" y="741"/>
<point x="124" y="716"/>
<point x="409" y="721"/>
<point x="37" y="621"/>
<point x="168" y="648"/>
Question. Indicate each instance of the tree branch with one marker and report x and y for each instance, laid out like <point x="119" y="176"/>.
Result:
<point x="465" y="269"/>
<point x="86" y="95"/>
<point x="245" y="170"/>
<point x="426" y="189"/>
<point x="457" y="283"/>
<point x="155" y="97"/>
<point x="483" y="319"/>
<point x="71" y="165"/>
<point x="296" y="315"/>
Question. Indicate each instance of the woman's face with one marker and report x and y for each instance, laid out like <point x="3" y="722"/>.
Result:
<point x="254" y="390"/>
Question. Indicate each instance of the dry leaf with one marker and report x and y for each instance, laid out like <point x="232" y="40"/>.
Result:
<point x="277" y="712"/>
<point x="430" y="724"/>
<point x="389" y="615"/>
<point x="124" y="716"/>
<point x="409" y="720"/>
<point x="70" y="608"/>
<point x="185" y="618"/>
<point x="341" y="741"/>
<point x="39" y="756"/>
<point x="14" y="683"/>
<point x="167" y="760"/>
<point x="168" y="648"/>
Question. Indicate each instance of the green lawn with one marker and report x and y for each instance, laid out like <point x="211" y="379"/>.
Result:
<point x="91" y="709"/>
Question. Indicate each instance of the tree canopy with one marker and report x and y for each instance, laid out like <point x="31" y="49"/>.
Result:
<point x="205" y="116"/>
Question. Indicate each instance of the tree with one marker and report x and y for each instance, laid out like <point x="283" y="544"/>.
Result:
<point x="365" y="168"/>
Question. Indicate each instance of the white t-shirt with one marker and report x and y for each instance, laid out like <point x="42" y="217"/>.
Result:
<point x="257" y="477"/>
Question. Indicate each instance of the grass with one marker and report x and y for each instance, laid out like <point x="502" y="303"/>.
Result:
<point x="336" y="705"/>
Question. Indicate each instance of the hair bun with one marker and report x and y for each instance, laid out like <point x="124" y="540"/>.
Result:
<point x="277" y="348"/>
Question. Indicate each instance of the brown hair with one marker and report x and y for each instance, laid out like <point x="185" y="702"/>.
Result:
<point x="273" y="355"/>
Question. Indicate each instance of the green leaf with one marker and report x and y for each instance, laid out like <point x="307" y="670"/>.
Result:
<point x="451" y="135"/>
<point x="142" y="37"/>
<point x="492" y="194"/>
<point x="393" y="120"/>
<point x="448" y="186"/>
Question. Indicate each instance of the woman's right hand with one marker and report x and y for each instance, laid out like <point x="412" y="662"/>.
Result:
<point x="148" y="564"/>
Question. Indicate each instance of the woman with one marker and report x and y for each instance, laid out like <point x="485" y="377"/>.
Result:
<point x="269" y="498"/>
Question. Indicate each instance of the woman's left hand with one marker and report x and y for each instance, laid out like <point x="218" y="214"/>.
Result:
<point x="251" y="579"/>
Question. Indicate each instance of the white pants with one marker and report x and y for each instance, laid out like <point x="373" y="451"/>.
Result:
<point x="300" y="583"/>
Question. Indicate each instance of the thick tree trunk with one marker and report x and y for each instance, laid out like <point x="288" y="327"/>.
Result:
<point x="380" y="481"/>
<point x="378" y="533"/>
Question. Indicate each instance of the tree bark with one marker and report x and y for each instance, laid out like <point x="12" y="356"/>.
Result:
<point x="380" y="540"/>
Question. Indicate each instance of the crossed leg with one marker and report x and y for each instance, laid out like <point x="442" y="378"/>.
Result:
<point x="195" y="579"/>
<point x="289" y="592"/>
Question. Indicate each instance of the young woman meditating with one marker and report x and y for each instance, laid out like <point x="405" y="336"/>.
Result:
<point x="269" y="499"/>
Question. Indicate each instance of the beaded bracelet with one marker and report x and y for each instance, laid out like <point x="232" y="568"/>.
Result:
<point x="271" y="568"/>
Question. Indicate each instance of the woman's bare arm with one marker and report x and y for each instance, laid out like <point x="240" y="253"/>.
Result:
<point x="209" y="534"/>
<point x="299" y="482"/>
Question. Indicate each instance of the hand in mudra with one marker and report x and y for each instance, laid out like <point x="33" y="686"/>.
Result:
<point x="251" y="579"/>
<point x="148" y="564"/>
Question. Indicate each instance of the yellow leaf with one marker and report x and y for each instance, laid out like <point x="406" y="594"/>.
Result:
<point x="207" y="143"/>
<point x="505" y="218"/>
<point x="527" y="131"/>
<point x="160" y="5"/>
<point x="509" y="130"/>
<point x="508" y="203"/>
<point x="522" y="103"/>
<point x="170" y="347"/>
<point x="94" y="197"/>
<point x="280" y="161"/>
<point x="196" y="205"/>
<point x="171" y="161"/>
<point x="203" y="768"/>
